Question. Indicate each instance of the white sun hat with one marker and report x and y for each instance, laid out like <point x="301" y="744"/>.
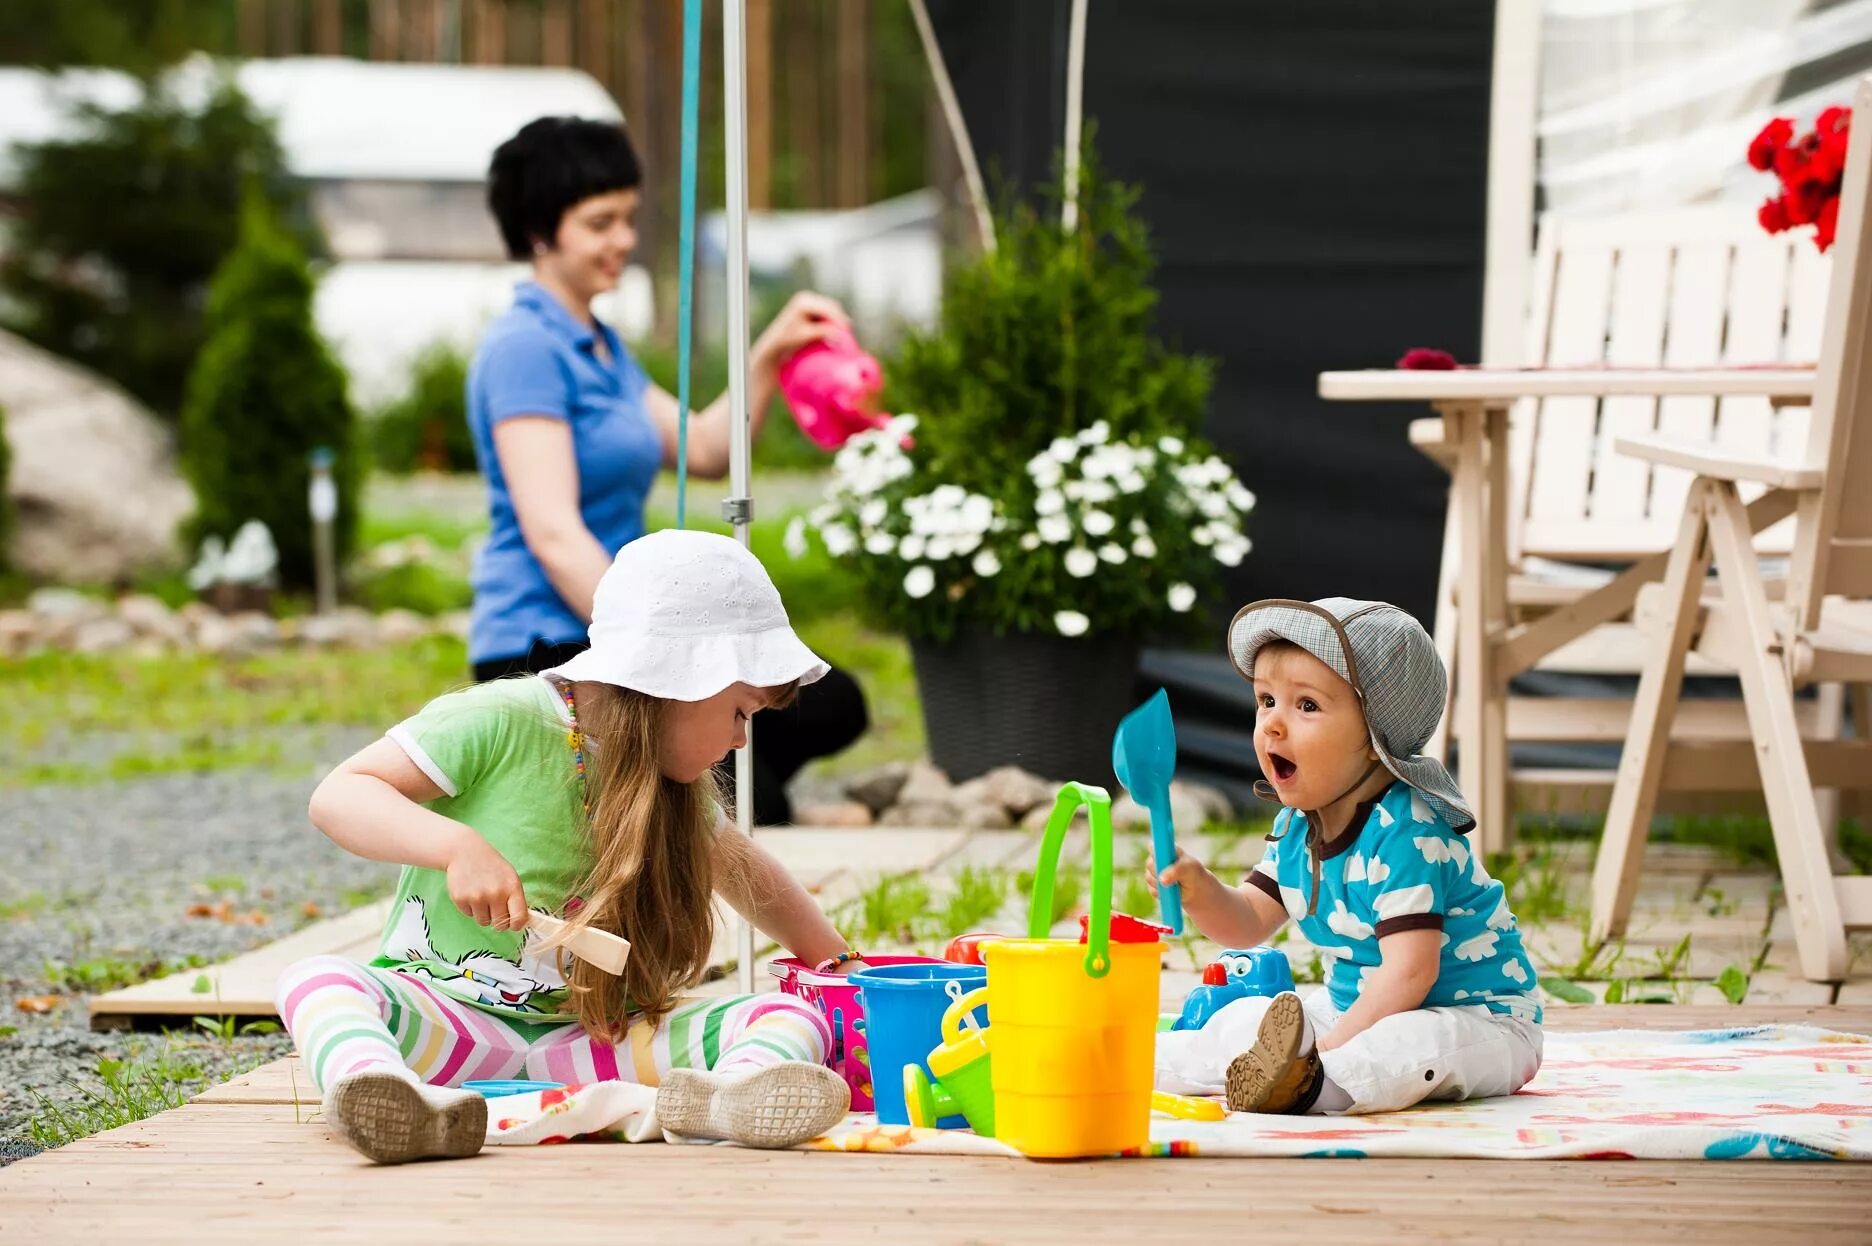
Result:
<point x="682" y="615"/>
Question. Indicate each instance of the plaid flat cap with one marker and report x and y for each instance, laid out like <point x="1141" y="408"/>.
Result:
<point x="1391" y="663"/>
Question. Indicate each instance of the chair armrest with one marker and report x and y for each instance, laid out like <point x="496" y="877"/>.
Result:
<point x="1720" y="464"/>
<point x="1427" y="438"/>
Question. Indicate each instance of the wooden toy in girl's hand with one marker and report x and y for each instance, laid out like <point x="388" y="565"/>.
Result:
<point x="595" y="947"/>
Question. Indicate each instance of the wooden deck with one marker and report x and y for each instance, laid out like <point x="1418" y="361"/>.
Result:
<point x="243" y="1163"/>
<point x="252" y="1159"/>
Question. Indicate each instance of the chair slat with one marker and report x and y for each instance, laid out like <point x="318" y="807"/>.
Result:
<point x="1621" y="484"/>
<point x="1564" y="427"/>
<point x="1699" y="287"/>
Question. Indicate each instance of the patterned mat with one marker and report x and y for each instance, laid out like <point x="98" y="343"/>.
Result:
<point x="1763" y="1092"/>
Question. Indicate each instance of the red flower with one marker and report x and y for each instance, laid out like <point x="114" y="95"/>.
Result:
<point x="1834" y="120"/>
<point x="1773" y="215"/>
<point x="1773" y="137"/>
<point x="1790" y="163"/>
<point x="1825" y="223"/>
<point x="1805" y="199"/>
<point x="1424" y="359"/>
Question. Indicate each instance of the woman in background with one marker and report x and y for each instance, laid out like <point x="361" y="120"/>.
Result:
<point x="570" y="432"/>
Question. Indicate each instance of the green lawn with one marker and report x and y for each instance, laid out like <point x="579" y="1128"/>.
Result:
<point x="79" y="718"/>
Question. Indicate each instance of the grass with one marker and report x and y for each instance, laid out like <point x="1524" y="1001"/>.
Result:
<point x="94" y="975"/>
<point x="28" y="905"/>
<point x="1535" y="884"/>
<point x="979" y="894"/>
<point x="121" y="1092"/>
<point x="197" y="712"/>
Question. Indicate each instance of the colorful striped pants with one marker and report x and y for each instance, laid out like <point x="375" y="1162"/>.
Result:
<point x="344" y="1016"/>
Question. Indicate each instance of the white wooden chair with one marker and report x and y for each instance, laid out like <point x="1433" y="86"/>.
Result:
<point x="1820" y="628"/>
<point x="1700" y="287"/>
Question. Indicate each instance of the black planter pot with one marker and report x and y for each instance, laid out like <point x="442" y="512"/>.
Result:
<point x="1048" y="704"/>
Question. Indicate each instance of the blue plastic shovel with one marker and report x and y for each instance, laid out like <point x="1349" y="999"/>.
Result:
<point x="1144" y="759"/>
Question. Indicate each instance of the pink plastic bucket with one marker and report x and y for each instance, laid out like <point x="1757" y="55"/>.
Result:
<point x="836" y="996"/>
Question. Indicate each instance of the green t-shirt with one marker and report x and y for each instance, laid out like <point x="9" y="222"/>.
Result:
<point x="501" y="756"/>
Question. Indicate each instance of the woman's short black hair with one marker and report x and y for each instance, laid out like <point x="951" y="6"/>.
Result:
<point x="550" y="165"/>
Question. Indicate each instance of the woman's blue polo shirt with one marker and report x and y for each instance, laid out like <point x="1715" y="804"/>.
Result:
<point x="539" y="359"/>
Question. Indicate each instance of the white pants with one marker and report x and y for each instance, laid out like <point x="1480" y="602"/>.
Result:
<point x="1428" y="1053"/>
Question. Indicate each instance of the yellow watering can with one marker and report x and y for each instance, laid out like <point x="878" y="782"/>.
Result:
<point x="1075" y="1024"/>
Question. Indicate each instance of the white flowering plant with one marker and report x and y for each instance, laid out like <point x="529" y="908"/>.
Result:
<point x="1056" y="481"/>
<point x="1103" y="533"/>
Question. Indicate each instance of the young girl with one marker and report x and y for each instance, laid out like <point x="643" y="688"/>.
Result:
<point x="1430" y="995"/>
<point x="584" y="793"/>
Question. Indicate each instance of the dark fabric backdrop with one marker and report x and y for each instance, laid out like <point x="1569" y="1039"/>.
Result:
<point x="1314" y="175"/>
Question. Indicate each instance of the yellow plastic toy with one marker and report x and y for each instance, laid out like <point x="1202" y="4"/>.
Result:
<point x="1075" y="1024"/>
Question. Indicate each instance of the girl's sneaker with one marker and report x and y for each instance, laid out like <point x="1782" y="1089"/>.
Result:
<point x="782" y="1105"/>
<point x="392" y="1119"/>
<point x="1275" y="1075"/>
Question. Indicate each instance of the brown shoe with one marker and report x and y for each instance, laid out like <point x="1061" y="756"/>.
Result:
<point x="1273" y="1075"/>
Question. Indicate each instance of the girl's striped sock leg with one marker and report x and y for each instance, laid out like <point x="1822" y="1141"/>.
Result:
<point x="338" y="1015"/>
<point x="764" y="1030"/>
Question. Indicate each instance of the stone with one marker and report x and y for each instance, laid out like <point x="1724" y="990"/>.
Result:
<point x="346" y="627"/>
<point x="254" y="630"/>
<point x="1185" y="813"/>
<point x="925" y="784"/>
<point x="151" y="619"/>
<point x="840" y="813"/>
<point x="400" y="627"/>
<point x="877" y="789"/>
<point x="18" y="630"/>
<point x="1017" y="791"/>
<point x="1213" y="801"/>
<point x="1036" y="818"/>
<point x="931" y="813"/>
<point x="62" y="604"/>
<point x="216" y="634"/>
<point x="983" y="816"/>
<point x="99" y="515"/>
<point x="106" y="635"/>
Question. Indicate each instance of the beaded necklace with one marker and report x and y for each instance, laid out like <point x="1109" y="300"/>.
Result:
<point x="576" y="738"/>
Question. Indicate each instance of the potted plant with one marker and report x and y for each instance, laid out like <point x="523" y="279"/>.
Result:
<point x="1053" y="505"/>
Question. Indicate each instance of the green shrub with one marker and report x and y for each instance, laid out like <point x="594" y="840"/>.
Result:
<point x="428" y="426"/>
<point x="1100" y="508"/>
<point x="120" y="230"/>
<point x="263" y="395"/>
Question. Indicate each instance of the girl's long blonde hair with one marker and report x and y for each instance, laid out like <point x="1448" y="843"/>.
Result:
<point x="652" y="878"/>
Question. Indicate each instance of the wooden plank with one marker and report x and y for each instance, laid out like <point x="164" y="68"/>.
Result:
<point x="1563" y="430"/>
<point x="285" y="1081"/>
<point x="1509" y="384"/>
<point x="1621" y="488"/>
<point x="1607" y="719"/>
<point x="243" y="986"/>
<point x="238" y="1173"/>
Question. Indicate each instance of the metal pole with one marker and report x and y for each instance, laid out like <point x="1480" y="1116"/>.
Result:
<point x="738" y="508"/>
<point x="322" y="502"/>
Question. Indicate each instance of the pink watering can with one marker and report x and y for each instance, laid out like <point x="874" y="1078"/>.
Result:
<point x="832" y="388"/>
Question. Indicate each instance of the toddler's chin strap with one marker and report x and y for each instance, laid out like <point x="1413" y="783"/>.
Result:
<point x="1265" y="791"/>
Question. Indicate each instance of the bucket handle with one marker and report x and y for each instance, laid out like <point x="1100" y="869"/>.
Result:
<point x="958" y="1012"/>
<point x="1097" y="804"/>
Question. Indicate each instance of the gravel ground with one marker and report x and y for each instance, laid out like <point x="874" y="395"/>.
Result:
<point x="100" y="878"/>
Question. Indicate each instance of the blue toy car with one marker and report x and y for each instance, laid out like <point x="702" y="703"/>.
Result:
<point x="1236" y="974"/>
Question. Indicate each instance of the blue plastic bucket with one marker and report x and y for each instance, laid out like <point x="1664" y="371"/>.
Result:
<point x="903" y="1007"/>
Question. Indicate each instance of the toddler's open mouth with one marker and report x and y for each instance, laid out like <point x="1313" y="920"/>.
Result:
<point x="1282" y="767"/>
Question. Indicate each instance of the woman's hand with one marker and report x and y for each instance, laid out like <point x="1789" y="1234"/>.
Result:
<point x="484" y="886"/>
<point x="806" y="318"/>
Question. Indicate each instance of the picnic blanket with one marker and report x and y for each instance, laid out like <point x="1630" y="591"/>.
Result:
<point x="1760" y="1092"/>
